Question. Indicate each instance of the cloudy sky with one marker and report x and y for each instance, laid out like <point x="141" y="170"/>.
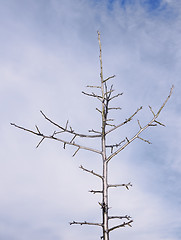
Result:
<point x="48" y="54"/>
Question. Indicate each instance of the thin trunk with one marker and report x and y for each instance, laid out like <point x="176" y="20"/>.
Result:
<point x="105" y="164"/>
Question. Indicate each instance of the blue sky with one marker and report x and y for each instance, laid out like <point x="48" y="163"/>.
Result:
<point x="48" y="54"/>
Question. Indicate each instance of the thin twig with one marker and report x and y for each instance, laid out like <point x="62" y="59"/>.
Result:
<point x="108" y="78"/>
<point x="119" y="94"/>
<point x="95" y="191"/>
<point x="121" y="225"/>
<point x="144" y="140"/>
<point x="120" y="217"/>
<point x="121" y="185"/>
<point x="40" y="142"/>
<point x="76" y="152"/>
<point x="115" y="108"/>
<point x="93" y="86"/>
<point x="86" y="223"/>
<point x="160" y="123"/>
<point x="90" y="171"/>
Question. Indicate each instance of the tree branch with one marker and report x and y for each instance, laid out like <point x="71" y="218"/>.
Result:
<point x="119" y="94"/>
<point x="91" y="171"/>
<point x="115" y="108"/>
<point x="58" y="139"/>
<point x="64" y="129"/>
<point x="121" y="225"/>
<point x="121" y="185"/>
<point x="114" y="145"/>
<point x="40" y="142"/>
<point x="86" y="223"/>
<point x="142" y="129"/>
<point x="95" y="191"/>
<point x="92" y="95"/>
<point x="93" y="86"/>
<point x="126" y="121"/>
<point x="144" y="140"/>
<point x="120" y="217"/>
<point x="109" y="78"/>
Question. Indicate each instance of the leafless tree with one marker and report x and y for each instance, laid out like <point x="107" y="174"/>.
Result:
<point x="107" y="152"/>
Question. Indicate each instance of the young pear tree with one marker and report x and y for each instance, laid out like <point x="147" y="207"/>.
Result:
<point x="105" y="94"/>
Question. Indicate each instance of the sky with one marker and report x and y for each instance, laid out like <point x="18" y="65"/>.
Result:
<point x="49" y="53"/>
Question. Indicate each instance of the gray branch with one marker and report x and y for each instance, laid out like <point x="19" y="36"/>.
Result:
<point x="109" y="78"/>
<point x="121" y="225"/>
<point x="121" y="185"/>
<point x="64" y="129"/>
<point x="142" y="129"/>
<point x="90" y="171"/>
<point x="120" y="217"/>
<point x="126" y="121"/>
<point x="58" y="139"/>
<point x="95" y="191"/>
<point x="86" y="223"/>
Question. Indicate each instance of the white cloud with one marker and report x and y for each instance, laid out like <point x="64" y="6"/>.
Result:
<point x="49" y="53"/>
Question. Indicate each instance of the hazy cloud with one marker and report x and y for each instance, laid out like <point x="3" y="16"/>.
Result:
<point x="48" y="54"/>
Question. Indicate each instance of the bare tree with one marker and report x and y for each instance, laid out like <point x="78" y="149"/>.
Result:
<point x="107" y="152"/>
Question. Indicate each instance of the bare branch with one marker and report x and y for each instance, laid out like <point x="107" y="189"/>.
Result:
<point x="121" y="185"/>
<point x="120" y="217"/>
<point x="152" y="111"/>
<point x="115" y="108"/>
<point x="64" y="129"/>
<point x="76" y="152"/>
<point x="98" y="110"/>
<point x="144" y="140"/>
<point x="142" y="129"/>
<point x="110" y="119"/>
<point x="40" y="142"/>
<point x="121" y="225"/>
<point x="73" y="138"/>
<point x="66" y="125"/>
<point x="71" y="130"/>
<point x="37" y="129"/>
<point x="94" y="131"/>
<point x="114" y="145"/>
<point x="160" y="123"/>
<point x="171" y="90"/>
<point x="108" y="93"/>
<point x="58" y="139"/>
<point x="109" y="78"/>
<point x="93" y="95"/>
<point x="111" y="125"/>
<point x="93" y="86"/>
<point x="152" y="125"/>
<point x="95" y="191"/>
<point x="126" y="121"/>
<point x="27" y="130"/>
<point x="86" y="223"/>
<point x="91" y="171"/>
<point x="139" y="124"/>
<point x="119" y="94"/>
